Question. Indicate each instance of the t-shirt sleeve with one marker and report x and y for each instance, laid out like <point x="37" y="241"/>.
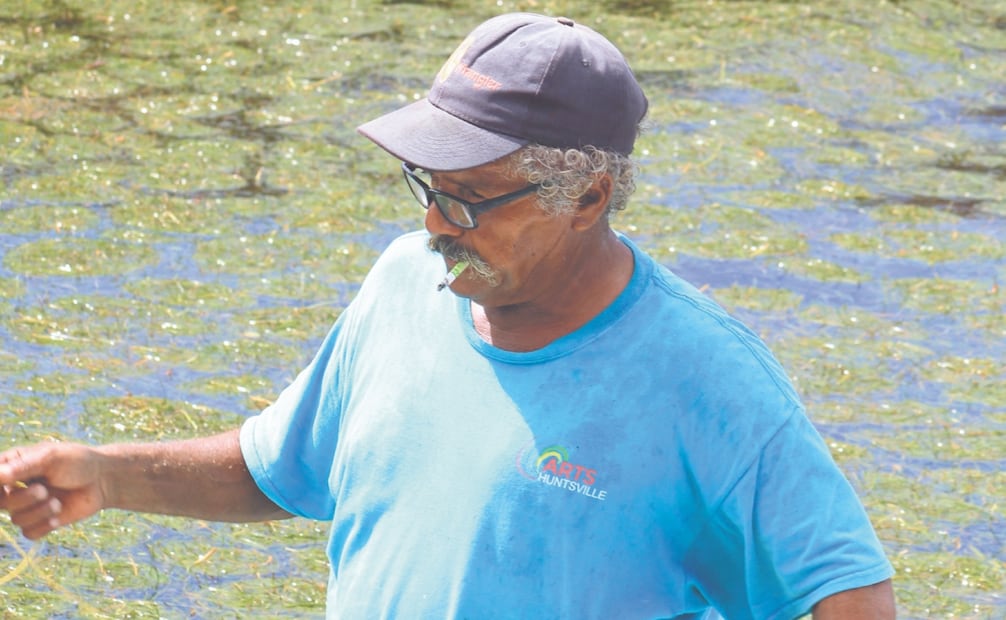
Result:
<point x="790" y="533"/>
<point x="289" y="447"/>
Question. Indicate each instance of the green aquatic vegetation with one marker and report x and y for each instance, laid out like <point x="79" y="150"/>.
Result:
<point x="898" y="491"/>
<point x="838" y="366"/>
<point x="255" y="392"/>
<point x="773" y="300"/>
<point x="27" y="418"/>
<point x="78" y="257"/>
<point x="183" y="293"/>
<point x="132" y="418"/>
<point x="823" y="270"/>
<point x="25" y="408"/>
<point x="713" y="231"/>
<point x="832" y="189"/>
<point x="909" y="214"/>
<point x="893" y="152"/>
<point x="981" y="485"/>
<point x="715" y="158"/>
<point x="949" y="442"/>
<point x="838" y="156"/>
<point x="57" y="220"/>
<point x="306" y="536"/>
<point x="873" y="411"/>
<point x="71" y="180"/>
<point x="11" y="364"/>
<point x="947" y="585"/>
<point x="745" y="244"/>
<point x="205" y="558"/>
<point x="655" y="225"/>
<point x="931" y="43"/>
<point x="942" y="184"/>
<point x="204" y="166"/>
<point x="922" y="245"/>
<point x="19" y="139"/>
<point x="250" y="352"/>
<point x="255" y="254"/>
<point x="790" y="126"/>
<point x="177" y="126"/>
<point x="338" y="206"/>
<point x="944" y="296"/>
<point x="299" y="288"/>
<point x="957" y="370"/>
<point x="100" y="322"/>
<point x="60" y="383"/>
<point x="899" y="526"/>
<point x="171" y="214"/>
<point x="45" y="327"/>
<point x="846" y="453"/>
<point x="678" y="110"/>
<point x="273" y="593"/>
<point x="771" y="199"/>
<point x="990" y="392"/>
<point x="769" y="82"/>
<point x="306" y="323"/>
<point x="99" y="365"/>
<point x="891" y="114"/>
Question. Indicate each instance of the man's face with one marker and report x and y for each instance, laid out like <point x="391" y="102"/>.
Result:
<point x="517" y="252"/>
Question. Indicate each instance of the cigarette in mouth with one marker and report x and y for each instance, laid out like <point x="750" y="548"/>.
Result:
<point x="452" y="275"/>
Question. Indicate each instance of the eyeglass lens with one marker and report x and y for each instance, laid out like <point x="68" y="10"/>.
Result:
<point x="455" y="212"/>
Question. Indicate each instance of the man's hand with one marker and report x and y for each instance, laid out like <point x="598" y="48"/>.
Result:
<point x="49" y="485"/>
<point x="874" y="602"/>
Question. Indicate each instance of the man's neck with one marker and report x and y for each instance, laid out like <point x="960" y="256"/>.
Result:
<point x="589" y="288"/>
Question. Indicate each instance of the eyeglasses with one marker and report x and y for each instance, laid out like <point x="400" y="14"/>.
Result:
<point x="459" y="212"/>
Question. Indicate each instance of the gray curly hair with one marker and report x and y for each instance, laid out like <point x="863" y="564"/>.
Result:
<point x="566" y="174"/>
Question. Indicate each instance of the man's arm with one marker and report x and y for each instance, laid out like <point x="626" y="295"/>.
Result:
<point x="874" y="602"/>
<point x="50" y="484"/>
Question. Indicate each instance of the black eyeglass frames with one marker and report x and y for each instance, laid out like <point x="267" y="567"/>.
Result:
<point x="457" y="211"/>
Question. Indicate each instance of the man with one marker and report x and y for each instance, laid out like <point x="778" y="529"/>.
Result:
<point x="574" y="433"/>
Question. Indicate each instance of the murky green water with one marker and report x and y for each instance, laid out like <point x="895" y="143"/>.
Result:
<point x="185" y="208"/>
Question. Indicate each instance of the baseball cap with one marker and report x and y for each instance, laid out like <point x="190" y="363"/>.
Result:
<point x="518" y="78"/>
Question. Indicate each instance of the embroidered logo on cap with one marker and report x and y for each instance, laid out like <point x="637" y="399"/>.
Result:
<point x="454" y="65"/>
<point x="455" y="59"/>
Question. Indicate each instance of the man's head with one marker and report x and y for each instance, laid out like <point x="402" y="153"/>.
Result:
<point x="526" y="101"/>
<point x="518" y="79"/>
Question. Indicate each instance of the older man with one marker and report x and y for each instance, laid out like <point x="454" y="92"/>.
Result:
<point x="573" y="433"/>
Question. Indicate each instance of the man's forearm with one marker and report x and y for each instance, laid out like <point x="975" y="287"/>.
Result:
<point x="204" y="478"/>
<point x="874" y="602"/>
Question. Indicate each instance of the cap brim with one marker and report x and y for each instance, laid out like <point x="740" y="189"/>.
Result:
<point x="427" y="137"/>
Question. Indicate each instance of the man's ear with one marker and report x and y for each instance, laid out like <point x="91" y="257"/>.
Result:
<point x="593" y="205"/>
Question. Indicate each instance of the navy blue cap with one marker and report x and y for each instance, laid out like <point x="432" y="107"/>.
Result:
<point x="516" y="79"/>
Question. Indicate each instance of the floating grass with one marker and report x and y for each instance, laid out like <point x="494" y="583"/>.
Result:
<point x="69" y="257"/>
<point x="186" y="208"/>
<point x="140" y="418"/>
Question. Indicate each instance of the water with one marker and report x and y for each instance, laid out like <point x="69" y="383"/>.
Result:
<point x="185" y="208"/>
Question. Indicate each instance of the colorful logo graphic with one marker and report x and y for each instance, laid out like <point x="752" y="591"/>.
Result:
<point x="553" y="467"/>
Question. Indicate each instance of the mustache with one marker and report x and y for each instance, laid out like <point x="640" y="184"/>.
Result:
<point x="452" y="250"/>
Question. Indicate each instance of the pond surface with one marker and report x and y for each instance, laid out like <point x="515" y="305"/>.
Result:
<point x="185" y="208"/>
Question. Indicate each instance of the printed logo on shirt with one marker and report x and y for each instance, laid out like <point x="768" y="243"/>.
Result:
<point x="553" y="467"/>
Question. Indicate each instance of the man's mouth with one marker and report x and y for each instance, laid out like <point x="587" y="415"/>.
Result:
<point x="458" y="254"/>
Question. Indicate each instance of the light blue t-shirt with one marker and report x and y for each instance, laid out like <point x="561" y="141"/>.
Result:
<point x="655" y="463"/>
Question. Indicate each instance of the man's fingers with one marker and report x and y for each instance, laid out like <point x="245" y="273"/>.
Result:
<point x="34" y="510"/>
<point x="20" y="465"/>
<point x="21" y="498"/>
